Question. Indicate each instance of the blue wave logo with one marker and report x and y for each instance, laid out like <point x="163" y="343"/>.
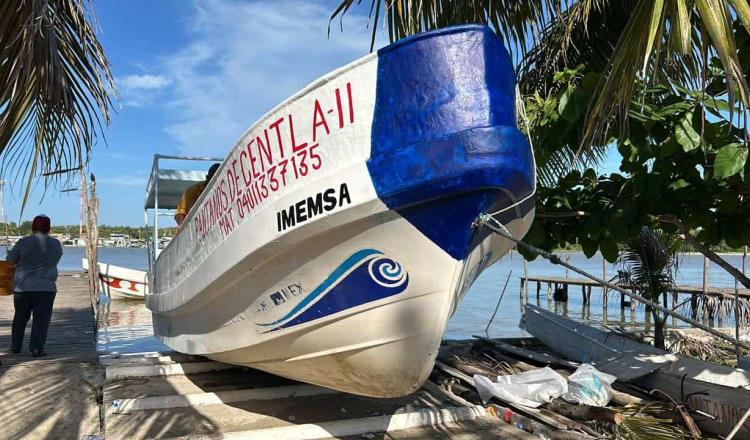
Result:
<point x="365" y="276"/>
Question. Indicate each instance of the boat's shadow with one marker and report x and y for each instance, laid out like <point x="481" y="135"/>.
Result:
<point x="242" y="399"/>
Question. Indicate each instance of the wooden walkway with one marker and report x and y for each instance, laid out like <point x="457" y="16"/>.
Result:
<point x="53" y="396"/>
<point x="587" y="283"/>
<point x="71" y="332"/>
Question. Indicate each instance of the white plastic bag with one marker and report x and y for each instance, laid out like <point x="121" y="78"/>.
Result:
<point x="589" y="386"/>
<point x="530" y="388"/>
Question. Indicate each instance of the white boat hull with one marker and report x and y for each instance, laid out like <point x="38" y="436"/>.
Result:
<point x="346" y="274"/>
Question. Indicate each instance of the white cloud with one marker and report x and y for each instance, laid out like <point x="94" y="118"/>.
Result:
<point x="141" y="90"/>
<point x="149" y="82"/>
<point x="243" y="58"/>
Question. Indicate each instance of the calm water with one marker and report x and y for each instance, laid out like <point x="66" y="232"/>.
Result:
<point x="126" y="325"/>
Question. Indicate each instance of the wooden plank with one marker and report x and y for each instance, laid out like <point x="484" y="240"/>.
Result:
<point x="541" y="358"/>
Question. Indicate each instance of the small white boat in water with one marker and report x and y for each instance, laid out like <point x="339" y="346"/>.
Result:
<point x="120" y="282"/>
<point x="337" y="237"/>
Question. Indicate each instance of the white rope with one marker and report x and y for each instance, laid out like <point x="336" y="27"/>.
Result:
<point x="495" y="226"/>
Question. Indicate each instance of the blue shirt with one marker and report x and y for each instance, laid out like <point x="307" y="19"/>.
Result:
<point x="36" y="257"/>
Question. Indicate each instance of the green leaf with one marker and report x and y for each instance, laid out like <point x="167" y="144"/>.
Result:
<point x="609" y="249"/>
<point x="678" y="184"/>
<point x="654" y="32"/>
<point x="565" y="99"/>
<point x="686" y="134"/>
<point x="588" y="246"/>
<point x="536" y="234"/>
<point x="730" y="159"/>
<point x="681" y="27"/>
<point x="742" y="10"/>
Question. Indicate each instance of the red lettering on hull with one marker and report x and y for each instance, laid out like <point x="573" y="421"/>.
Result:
<point x="273" y="156"/>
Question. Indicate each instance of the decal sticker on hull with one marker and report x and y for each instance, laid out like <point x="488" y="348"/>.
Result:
<point x="118" y="283"/>
<point x="365" y="276"/>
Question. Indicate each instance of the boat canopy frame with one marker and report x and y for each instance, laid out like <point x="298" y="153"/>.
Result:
<point x="163" y="192"/>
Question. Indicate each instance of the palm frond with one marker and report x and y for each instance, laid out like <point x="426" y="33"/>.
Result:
<point x="519" y="22"/>
<point x="630" y="42"/>
<point x="650" y="428"/>
<point x="56" y="89"/>
<point x="649" y="262"/>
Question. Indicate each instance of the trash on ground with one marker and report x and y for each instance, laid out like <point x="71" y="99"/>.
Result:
<point x="529" y="388"/>
<point x="589" y="386"/>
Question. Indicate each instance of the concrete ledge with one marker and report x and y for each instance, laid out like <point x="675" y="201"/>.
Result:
<point x="199" y="399"/>
<point x="124" y="372"/>
<point x="343" y="428"/>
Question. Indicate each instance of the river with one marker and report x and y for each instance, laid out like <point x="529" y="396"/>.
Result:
<point x="127" y="324"/>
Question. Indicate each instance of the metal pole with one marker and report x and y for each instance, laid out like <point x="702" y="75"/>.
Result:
<point x="155" y="238"/>
<point x="737" y="309"/>
<point x="490" y="223"/>
<point x="739" y="425"/>
<point x="498" y="302"/>
<point x="705" y="275"/>
<point x="705" y="290"/>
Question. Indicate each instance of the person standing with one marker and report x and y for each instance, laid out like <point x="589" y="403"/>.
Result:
<point x="34" y="284"/>
<point x="191" y="194"/>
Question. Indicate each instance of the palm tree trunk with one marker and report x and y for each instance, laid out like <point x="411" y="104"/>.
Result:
<point x="658" y="329"/>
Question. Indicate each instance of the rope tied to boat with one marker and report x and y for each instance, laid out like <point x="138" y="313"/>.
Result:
<point x="491" y="223"/>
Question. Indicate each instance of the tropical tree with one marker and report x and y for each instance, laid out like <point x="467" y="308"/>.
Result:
<point x="648" y="264"/>
<point x="630" y="42"/>
<point x="55" y="89"/>
<point x="683" y="166"/>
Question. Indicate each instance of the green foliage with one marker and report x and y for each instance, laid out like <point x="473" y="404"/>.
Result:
<point x="624" y="40"/>
<point x="105" y="231"/>
<point x="684" y="155"/>
<point x="730" y="160"/>
<point x="685" y="134"/>
<point x="649" y="263"/>
<point x="57" y="90"/>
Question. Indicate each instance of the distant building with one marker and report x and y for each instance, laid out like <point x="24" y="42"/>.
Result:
<point x="75" y="241"/>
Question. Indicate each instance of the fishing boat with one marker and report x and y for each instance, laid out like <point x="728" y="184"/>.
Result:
<point x="120" y="282"/>
<point x="720" y="394"/>
<point x="337" y="237"/>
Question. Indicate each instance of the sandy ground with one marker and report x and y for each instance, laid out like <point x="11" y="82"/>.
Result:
<point x="49" y="399"/>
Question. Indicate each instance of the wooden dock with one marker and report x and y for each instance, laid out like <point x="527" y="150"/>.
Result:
<point x="551" y="281"/>
<point x="53" y="396"/>
<point x="712" y="297"/>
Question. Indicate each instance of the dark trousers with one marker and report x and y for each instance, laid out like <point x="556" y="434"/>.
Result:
<point x="26" y="303"/>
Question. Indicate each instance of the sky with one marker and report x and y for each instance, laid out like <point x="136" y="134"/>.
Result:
<point x="192" y="76"/>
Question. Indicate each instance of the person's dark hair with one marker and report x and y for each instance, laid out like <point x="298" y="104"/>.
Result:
<point x="211" y="171"/>
<point x="41" y="223"/>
